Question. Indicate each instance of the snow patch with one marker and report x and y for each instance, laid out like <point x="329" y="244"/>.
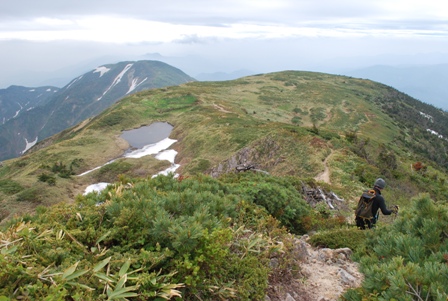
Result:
<point x="168" y="155"/>
<point x="427" y="116"/>
<point x="74" y="81"/>
<point x="98" y="187"/>
<point x="101" y="70"/>
<point x="117" y="79"/>
<point x="89" y="171"/>
<point x="29" y="145"/>
<point x="134" y="84"/>
<point x="435" y="133"/>
<point x="159" y="148"/>
<point x="17" y="112"/>
<point x="150" y="149"/>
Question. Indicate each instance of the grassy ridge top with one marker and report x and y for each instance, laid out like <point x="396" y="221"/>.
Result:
<point x="288" y="123"/>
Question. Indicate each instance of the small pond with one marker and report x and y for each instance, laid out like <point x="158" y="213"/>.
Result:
<point x="145" y="135"/>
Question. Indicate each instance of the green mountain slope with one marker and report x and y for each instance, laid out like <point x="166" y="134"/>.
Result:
<point x="285" y="123"/>
<point x="229" y="237"/>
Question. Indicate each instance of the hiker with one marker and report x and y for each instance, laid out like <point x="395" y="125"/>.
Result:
<point x="377" y="202"/>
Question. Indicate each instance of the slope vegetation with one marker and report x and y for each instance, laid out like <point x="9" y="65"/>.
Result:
<point x="285" y="123"/>
<point x="227" y="227"/>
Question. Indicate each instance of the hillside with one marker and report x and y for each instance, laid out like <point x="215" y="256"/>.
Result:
<point x="292" y="125"/>
<point x="15" y="100"/>
<point x="85" y="96"/>
<point x="286" y="123"/>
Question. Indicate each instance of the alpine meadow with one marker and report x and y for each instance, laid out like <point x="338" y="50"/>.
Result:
<point x="209" y="232"/>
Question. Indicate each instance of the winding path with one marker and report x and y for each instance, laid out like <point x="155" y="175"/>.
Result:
<point x="325" y="175"/>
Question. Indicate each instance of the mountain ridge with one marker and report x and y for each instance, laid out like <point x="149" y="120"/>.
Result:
<point x="286" y="122"/>
<point x="85" y="96"/>
<point x="212" y="226"/>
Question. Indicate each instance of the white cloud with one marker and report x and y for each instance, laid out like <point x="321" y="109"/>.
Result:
<point x="116" y="29"/>
<point x="259" y="35"/>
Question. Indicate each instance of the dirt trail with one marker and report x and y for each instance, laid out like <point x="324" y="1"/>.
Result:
<point x="325" y="175"/>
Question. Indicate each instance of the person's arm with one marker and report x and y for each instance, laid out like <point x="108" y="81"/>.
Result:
<point x="382" y="206"/>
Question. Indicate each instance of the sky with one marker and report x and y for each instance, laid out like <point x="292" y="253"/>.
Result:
<point x="53" y="41"/>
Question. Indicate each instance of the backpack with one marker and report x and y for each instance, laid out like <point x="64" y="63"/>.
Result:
<point x="364" y="209"/>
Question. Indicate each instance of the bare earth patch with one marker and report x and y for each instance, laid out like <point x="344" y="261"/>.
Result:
<point x="327" y="274"/>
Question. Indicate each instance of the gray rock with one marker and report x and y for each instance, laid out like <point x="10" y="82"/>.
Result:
<point x="346" y="277"/>
<point x="289" y="298"/>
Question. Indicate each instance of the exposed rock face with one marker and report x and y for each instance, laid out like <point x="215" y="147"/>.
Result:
<point x="325" y="275"/>
<point x="265" y="151"/>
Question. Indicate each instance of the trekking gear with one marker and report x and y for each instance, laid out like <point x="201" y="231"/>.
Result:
<point x="395" y="209"/>
<point x="364" y="209"/>
<point x="380" y="183"/>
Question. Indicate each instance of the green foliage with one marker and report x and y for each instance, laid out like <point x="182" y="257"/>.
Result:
<point x="296" y="120"/>
<point x="110" y="172"/>
<point x="10" y="187"/>
<point x="50" y="179"/>
<point x="407" y="260"/>
<point x="32" y="195"/>
<point x="166" y="227"/>
<point x="322" y="219"/>
<point x="318" y="114"/>
<point x="351" y="238"/>
<point x="280" y="196"/>
<point x="161" y="238"/>
<point x="328" y="135"/>
<point x="199" y="166"/>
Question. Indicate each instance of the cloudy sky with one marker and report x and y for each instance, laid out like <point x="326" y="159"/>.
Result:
<point x="53" y="41"/>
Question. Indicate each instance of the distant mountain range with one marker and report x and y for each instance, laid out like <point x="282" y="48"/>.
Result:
<point x="29" y="115"/>
<point x="426" y="83"/>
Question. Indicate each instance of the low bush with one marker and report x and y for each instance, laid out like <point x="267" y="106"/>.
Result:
<point x="351" y="237"/>
<point x="407" y="260"/>
<point x="10" y="187"/>
<point x="161" y="238"/>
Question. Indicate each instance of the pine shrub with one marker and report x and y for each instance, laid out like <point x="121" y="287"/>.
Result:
<point x="407" y="260"/>
<point x="161" y="238"/>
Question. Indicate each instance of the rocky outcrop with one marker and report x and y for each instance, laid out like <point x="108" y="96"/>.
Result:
<point x="325" y="274"/>
<point x="265" y="150"/>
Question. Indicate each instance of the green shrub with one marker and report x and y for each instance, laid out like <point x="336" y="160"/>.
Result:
<point x="50" y="179"/>
<point x="32" y="195"/>
<point x="10" y="187"/>
<point x="408" y="259"/>
<point x="160" y="238"/>
<point x="352" y="238"/>
<point x="110" y="172"/>
<point x="296" y="120"/>
<point x="278" y="195"/>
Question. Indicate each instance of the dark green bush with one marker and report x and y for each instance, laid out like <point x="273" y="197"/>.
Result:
<point x="47" y="178"/>
<point x="196" y="237"/>
<point x="280" y="196"/>
<point x="352" y="238"/>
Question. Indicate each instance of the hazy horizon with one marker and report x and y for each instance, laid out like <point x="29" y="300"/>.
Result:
<point x="49" y="42"/>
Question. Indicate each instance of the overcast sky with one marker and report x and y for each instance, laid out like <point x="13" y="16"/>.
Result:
<point x="52" y="41"/>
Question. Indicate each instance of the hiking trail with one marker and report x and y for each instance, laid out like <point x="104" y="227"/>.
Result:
<point x="325" y="175"/>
